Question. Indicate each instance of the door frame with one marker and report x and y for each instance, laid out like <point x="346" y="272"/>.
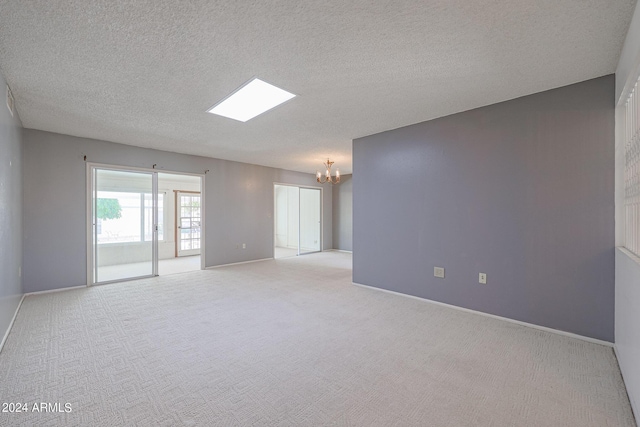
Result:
<point x="176" y="197"/>
<point x="89" y="226"/>
<point x="273" y="234"/>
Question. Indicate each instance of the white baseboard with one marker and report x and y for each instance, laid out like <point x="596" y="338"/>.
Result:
<point x="238" y="263"/>
<point x="50" y="291"/>
<point x="6" y="335"/>
<point x="506" y="319"/>
<point x="339" y="250"/>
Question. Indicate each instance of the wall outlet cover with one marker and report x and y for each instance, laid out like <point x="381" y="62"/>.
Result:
<point x="482" y="278"/>
<point x="438" y="272"/>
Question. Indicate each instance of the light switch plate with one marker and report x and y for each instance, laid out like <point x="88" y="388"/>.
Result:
<point x="438" y="272"/>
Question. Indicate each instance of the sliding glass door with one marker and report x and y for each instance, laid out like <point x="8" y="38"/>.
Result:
<point x="124" y="224"/>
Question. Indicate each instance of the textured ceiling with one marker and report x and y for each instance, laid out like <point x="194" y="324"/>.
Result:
<point x="145" y="72"/>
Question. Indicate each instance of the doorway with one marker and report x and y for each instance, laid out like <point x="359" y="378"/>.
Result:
<point x="180" y="251"/>
<point x="133" y="222"/>
<point x="187" y="223"/>
<point x="297" y="220"/>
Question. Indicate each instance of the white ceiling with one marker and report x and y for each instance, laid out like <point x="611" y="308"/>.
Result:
<point x="145" y="72"/>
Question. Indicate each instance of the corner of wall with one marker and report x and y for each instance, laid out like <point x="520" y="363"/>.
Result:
<point x="11" y="288"/>
<point x="627" y="273"/>
<point x="628" y="68"/>
<point x="343" y="214"/>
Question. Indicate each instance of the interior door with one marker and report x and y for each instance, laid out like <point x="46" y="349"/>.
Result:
<point x="188" y="217"/>
<point x="310" y="224"/>
<point x="124" y="224"/>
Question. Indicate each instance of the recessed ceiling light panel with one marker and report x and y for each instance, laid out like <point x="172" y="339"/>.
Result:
<point x="250" y="100"/>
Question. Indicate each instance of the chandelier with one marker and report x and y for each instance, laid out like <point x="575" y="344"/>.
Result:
<point x="327" y="176"/>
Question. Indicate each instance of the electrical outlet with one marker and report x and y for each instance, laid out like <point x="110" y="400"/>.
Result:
<point x="438" y="272"/>
<point x="482" y="278"/>
<point x="244" y="246"/>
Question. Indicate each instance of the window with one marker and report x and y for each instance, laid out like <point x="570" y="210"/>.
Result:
<point x="632" y="172"/>
<point x="127" y="217"/>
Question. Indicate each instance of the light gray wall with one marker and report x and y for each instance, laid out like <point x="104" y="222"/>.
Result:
<point x="628" y="323"/>
<point x="238" y="204"/>
<point x="343" y="214"/>
<point x="10" y="213"/>
<point x="521" y="191"/>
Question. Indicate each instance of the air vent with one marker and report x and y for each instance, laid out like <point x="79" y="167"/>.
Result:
<point x="10" y="102"/>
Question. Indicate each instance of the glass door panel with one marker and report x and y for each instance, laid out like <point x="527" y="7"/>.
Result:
<point x="189" y="218"/>
<point x="310" y="225"/>
<point x="124" y="225"/>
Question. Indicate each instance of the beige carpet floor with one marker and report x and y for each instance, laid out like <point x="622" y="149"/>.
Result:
<point x="292" y="342"/>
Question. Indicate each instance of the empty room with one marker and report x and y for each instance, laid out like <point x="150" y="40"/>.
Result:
<point x="295" y="213"/>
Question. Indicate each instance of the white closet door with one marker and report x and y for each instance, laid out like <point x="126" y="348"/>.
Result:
<point x="310" y="225"/>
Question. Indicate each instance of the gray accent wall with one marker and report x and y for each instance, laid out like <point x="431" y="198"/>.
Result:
<point x="343" y="214"/>
<point x="521" y="190"/>
<point x="10" y="213"/>
<point x="238" y="204"/>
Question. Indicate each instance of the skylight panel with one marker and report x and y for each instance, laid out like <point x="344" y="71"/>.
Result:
<point x="251" y="100"/>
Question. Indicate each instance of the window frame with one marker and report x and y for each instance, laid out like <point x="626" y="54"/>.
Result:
<point x="162" y="217"/>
